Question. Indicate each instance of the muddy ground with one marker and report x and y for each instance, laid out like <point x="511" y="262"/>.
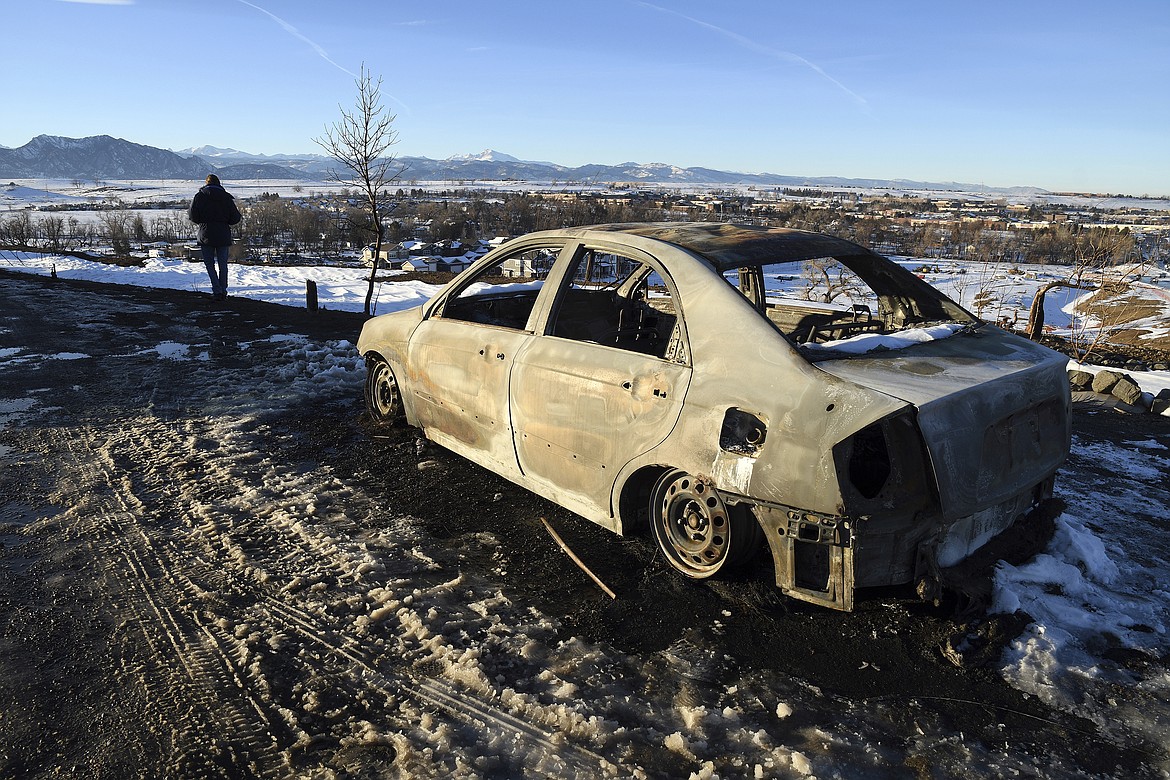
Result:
<point x="155" y="616"/>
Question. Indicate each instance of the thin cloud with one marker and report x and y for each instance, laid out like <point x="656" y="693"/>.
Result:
<point x="98" y="2"/>
<point x="748" y="43"/>
<point x="294" y="32"/>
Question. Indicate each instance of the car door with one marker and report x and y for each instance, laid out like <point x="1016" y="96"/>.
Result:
<point x="605" y="380"/>
<point x="461" y="354"/>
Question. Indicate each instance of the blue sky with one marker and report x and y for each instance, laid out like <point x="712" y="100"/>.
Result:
<point x="1069" y="96"/>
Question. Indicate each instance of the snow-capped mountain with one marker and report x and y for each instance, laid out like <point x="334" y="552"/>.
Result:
<point x="487" y="155"/>
<point x="210" y="152"/>
<point x="113" y="158"/>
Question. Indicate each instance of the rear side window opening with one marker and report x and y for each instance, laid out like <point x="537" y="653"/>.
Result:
<point x="831" y="307"/>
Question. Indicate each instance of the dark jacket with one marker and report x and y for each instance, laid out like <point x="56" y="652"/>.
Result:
<point x="213" y="209"/>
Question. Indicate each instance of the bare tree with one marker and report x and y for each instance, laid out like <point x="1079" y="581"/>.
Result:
<point x="52" y="229"/>
<point x="826" y="280"/>
<point x="17" y="230"/>
<point x="117" y="225"/>
<point x="360" y="141"/>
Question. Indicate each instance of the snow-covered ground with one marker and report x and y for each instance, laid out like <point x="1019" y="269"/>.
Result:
<point x="1098" y="596"/>
<point x="338" y="288"/>
<point x="33" y="192"/>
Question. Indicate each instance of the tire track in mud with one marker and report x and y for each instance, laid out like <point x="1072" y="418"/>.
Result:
<point x="196" y="550"/>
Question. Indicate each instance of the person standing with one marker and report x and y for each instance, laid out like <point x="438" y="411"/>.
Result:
<point x="214" y="211"/>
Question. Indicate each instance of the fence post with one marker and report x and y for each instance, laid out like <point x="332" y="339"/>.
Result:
<point x="311" y="295"/>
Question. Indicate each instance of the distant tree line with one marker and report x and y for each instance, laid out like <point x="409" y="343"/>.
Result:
<point x="1059" y="243"/>
<point x="324" y="225"/>
<point x="119" y="229"/>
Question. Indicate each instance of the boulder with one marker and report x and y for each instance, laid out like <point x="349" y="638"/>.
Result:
<point x="1104" y="381"/>
<point x="1080" y="380"/>
<point x="1127" y="391"/>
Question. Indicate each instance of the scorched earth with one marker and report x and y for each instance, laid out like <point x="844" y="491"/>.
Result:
<point x="212" y="567"/>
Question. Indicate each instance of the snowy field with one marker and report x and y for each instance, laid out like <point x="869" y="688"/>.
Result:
<point x="33" y="192"/>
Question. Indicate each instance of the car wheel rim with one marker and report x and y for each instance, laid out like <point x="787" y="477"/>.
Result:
<point x="692" y="525"/>
<point x="383" y="396"/>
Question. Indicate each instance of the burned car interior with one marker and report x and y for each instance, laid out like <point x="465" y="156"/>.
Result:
<point x="617" y="301"/>
<point x="504" y="293"/>
<point x="827" y="299"/>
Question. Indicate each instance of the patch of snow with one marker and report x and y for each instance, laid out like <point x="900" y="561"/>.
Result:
<point x="169" y="350"/>
<point x="1098" y="588"/>
<point x="873" y="342"/>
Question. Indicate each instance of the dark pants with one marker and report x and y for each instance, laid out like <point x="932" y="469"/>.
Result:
<point x="211" y="256"/>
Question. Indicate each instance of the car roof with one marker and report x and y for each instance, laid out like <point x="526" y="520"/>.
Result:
<point x="729" y="246"/>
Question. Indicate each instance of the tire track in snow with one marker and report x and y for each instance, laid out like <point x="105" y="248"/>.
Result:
<point x="206" y="567"/>
<point x="221" y="735"/>
<point x="437" y="694"/>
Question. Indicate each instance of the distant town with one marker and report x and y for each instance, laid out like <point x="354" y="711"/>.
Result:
<point x="441" y="227"/>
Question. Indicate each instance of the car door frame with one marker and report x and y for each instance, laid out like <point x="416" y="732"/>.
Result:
<point x="473" y="421"/>
<point x="659" y="382"/>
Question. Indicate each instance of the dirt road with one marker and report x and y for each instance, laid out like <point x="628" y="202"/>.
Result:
<point x="210" y="567"/>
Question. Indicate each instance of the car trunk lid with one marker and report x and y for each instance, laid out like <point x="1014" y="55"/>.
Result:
<point x="992" y="408"/>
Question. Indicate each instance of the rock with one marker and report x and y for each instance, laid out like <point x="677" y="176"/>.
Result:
<point x="1163" y="394"/>
<point x="1160" y="367"/>
<point x="1104" y="381"/>
<point x="1126" y="390"/>
<point x="1161" y="406"/>
<point x="1081" y="380"/>
<point x="1146" y="401"/>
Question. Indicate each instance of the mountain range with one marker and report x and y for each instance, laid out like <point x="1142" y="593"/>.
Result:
<point x="103" y="157"/>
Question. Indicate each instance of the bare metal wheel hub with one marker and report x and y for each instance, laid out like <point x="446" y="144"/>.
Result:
<point x="691" y="525"/>
<point x="383" y="399"/>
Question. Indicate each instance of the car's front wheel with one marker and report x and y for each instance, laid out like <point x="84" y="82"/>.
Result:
<point x="383" y="396"/>
<point x="698" y="534"/>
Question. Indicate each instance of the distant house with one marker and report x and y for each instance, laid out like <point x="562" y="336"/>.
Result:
<point x="528" y="265"/>
<point x="389" y="254"/>
<point x="449" y="248"/>
<point x="158" y="249"/>
<point x="454" y="265"/>
<point x="421" y="264"/>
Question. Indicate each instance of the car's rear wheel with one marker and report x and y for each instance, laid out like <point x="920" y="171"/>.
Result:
<point x="697" y="533"/>
<point x="383" y="396"/>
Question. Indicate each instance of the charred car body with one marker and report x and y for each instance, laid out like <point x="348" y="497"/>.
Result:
<point x="732" y="386"/>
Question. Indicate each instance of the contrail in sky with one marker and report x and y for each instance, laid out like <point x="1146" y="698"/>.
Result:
<point x="748" y="43"/>
<point x="297" y="34"/>
<point x="320" y="51"/>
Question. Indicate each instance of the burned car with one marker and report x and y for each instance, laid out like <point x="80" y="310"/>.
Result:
<point x="729" y="386"/>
